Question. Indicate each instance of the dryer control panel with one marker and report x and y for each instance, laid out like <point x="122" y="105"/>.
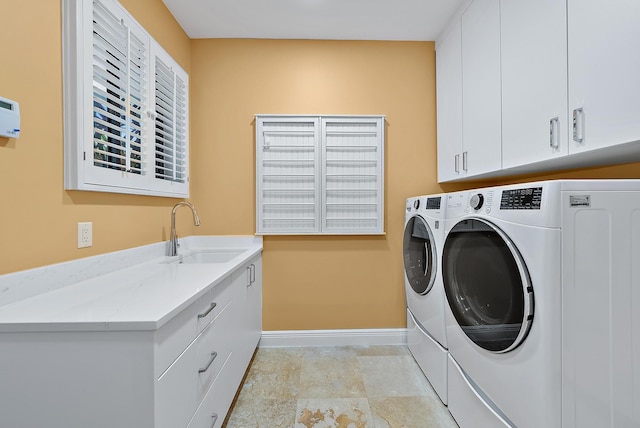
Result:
<point x="528" y="198"/>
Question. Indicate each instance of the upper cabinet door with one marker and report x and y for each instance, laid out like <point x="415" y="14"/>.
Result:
<point x="604" y="73"/>
<point x="481" y="106"/>
<point x="534" y="81"/>
<point x="449" y="93"/>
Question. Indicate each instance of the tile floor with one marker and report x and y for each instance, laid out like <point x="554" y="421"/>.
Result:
<point x="337" y="387"/>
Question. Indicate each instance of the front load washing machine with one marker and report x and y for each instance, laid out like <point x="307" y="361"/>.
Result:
<point x="538" y="279"/>
<point x="422" y="249"/>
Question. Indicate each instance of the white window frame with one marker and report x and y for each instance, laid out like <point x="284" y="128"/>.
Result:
<point x="319" y="175"/>
<point x="84" y="169"/>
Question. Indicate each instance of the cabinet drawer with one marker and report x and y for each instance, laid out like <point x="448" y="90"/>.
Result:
<point x="177" y="334"/>
<point x="216" y="403"/>
<point x="181" y="388"/>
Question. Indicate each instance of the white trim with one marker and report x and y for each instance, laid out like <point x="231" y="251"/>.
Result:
<point x="360" y="337"/>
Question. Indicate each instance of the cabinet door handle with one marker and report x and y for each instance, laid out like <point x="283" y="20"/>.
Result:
<point x="213" y="357"/>
<point x="464" y="161"/>
<point x="214" y="416"/>
<point x="208" y="311"/>
<point x="253" y="273"/>
<point x="248" y="276"/>
<point x="457" y="163"/>
<point x="554" y="124"/>
<point x="578" y="125"/>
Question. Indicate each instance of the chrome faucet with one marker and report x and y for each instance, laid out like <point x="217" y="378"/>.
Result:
<point x="173" y="244"/>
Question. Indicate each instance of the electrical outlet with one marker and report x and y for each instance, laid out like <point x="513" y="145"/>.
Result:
<point x="85" y="234"/>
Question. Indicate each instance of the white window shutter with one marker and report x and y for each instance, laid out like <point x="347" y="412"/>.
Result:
<point x="115" y="78"/>
<point x="288" y="175"/>
<point x="353" y="175"/>
<point x="170" y="123"/>
<point x="319" y="174"/>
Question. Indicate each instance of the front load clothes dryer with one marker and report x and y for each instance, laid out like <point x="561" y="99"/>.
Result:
<point x="422" y="248"/>
<point x="501" y="274"/>
<point x="540" y="282"/>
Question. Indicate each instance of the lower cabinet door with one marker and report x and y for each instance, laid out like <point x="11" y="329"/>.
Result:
<point x="216" y="403"/>
<point x="181" y="388"/>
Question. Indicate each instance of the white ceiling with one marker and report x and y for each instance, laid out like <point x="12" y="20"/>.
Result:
<point x="314" y="19"/>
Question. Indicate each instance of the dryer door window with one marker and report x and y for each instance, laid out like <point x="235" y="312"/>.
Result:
<point x="419" y="255"/>
<point x="487" y="285"/>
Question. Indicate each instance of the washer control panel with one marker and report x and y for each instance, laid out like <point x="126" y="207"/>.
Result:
<point x="433" y="203"/>
<point x="529" y="198"/>
<point x="476" y="201"/>
<point x="481" y="201"/>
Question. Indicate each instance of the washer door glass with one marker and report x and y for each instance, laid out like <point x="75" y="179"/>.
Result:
<point x="487" y="285"/>
<point x="419" y="255"/>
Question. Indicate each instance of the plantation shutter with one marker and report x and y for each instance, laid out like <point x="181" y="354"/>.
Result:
<point x="126" y="105"/>
<point x="352" y="175"/>
<point x="120" y="80"/>
<point x="288" y="174"/>
<point x="170" y="118"/>
<point x="319" y="174"/>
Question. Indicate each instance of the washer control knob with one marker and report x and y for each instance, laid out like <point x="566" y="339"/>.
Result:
<point x="416" y="204"/>
<point x="476" y="201"/>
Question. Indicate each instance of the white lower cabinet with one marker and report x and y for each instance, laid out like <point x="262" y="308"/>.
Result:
<point x="185" y="374"/>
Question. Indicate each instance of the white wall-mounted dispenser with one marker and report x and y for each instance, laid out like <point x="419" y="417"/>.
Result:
<point x="9" y="118"/>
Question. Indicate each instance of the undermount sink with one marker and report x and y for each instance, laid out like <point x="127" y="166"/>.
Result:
<point x="208" y="256"/>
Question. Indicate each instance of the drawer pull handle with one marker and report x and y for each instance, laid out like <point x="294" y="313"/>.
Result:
<point x="215" y="419"/>
<point x="213" y="357"/>
<point x="208" y="311"/>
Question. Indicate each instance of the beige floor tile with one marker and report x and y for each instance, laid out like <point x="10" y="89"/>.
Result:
<point x="378" y="350"/>
<point x="273" y="374"/>
<point x="330" y="372"/>
<point x="334" y="413"/>
<point x="410" y="412"/>
<point x="337" y="387"/>
<point x="393" y="376"/>
<point x="262" y="413"/>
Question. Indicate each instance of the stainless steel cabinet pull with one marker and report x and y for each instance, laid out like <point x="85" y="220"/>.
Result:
<point x="208" y="311"/>
<point x="213" y="357"/>
<point x="251" y="274"/>
<point x="464" y="161"/>
<point x="553" y="133"/>
<point x="457" y="166"/>
<point x="215" y="419"/>
<point x="578" y="125"/>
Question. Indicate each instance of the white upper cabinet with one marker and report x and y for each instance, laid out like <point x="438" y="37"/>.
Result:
<point x="534" y="81"/>
<point x="468" y="91"/>
<point x="481" y="106"/>
<point x="544" y="85"/>
<point x="604" y="73"/>
<point x="449" y="93"/>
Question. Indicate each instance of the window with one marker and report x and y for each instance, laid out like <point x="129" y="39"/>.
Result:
<point x="319" y="174"/>
<point x="126" y="105"/>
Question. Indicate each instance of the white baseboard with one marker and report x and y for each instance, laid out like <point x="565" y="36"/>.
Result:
<point x="360" y="337"/>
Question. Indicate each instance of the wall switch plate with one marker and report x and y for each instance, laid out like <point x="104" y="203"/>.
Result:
<point x="85" y="234"/>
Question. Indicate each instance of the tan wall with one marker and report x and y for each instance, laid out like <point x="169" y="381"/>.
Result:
<point x="314" y="282"/>
<point x="37" y="216"/>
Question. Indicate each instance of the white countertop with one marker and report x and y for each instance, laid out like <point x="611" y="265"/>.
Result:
<point x="140" y="297"/>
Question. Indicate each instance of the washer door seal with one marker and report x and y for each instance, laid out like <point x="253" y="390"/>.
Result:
<point x="419" y="254"/>
<point x="487" y="285"/>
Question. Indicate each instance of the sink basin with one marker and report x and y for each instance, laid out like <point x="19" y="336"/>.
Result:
<point x="208" y="256"/>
